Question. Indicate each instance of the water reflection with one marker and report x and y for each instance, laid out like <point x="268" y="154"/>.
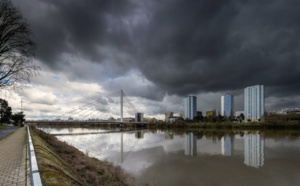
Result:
<point x="169" y="135"/>
<point x="190" y="144"/>
<point x="139" y="135"/>
<point x="227" y="145"/>
<point x="165" y="157"/>
<point x="254" y="150"/>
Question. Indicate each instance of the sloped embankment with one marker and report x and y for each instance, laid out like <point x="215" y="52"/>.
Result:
<point x="61" y="164"/>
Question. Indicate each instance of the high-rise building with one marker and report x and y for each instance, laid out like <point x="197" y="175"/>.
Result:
<point x="139" y="117"/>
<point x="254" y="150"/>
<point x="227" y="105"/>
<point x="254" y="102"/>
<point x="190" y="107"/>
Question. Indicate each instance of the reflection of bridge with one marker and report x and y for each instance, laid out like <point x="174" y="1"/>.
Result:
<point x="137" y="133"/>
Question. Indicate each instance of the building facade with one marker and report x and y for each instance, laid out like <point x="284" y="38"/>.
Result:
<point x="254" y="102"/>
<point x="227" y="105"/>
<point x="190" y="107"/>
<point x="168" y="115"/>
<point x="139" y="117"/>
<point x="212" y="113"/>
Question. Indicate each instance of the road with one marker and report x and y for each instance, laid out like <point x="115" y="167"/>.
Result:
<point x="6" y="131"/>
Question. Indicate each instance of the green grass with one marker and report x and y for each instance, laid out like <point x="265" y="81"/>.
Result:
<point x="2" y="126"/>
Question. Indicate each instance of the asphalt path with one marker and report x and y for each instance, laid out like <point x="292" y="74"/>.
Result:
<point x="6" y="131"/>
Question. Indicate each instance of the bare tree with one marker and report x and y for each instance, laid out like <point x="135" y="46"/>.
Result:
<point x="16" y="47"/>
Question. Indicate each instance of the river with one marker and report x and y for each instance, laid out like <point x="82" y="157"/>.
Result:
<point x="194" y="158"/>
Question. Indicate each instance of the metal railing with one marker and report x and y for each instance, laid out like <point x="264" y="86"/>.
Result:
<point x="34" y="170"/>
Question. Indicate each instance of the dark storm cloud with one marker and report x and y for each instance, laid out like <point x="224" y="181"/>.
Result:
<point x="216" y="46"/>
<point x="76" y="27"/>
<point x="182" y="47"/>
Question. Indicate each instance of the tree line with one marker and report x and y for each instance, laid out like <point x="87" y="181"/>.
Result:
<point x="7" y="116"/>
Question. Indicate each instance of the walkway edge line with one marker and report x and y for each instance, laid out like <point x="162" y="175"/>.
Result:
<point x="34" y="170"/>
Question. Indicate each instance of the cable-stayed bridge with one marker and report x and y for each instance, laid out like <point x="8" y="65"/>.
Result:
<point x="103" y="110"/>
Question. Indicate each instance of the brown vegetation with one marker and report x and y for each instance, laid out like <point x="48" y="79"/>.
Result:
<point x="74" y="167"/>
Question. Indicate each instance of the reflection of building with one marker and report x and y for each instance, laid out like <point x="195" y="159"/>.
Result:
<point x="139" y="117"/>
<point x="254" y="102"/>
<point x="168" y="135"/>
<point x="227" y="105"/>
<point x="190" y="107"/>
<point x="139" y="134"/>
<point x="190" y="144"/>
<point x="254" y="150"/>
<point x="227" y="143"/>
<point x="168" y="115"/>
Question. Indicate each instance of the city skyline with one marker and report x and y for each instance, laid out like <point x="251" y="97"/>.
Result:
<point x="159" y="52"/>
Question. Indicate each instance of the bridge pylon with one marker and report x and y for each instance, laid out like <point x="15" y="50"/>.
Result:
<point x="121" y="105"/>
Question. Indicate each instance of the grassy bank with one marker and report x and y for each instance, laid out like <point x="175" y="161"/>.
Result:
<point x="61" y="164"/>
<point x="186" y="125"/>
<point x="231" y="125"/>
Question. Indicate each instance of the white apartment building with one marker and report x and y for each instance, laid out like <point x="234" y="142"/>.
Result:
<point x="254" y="102"/>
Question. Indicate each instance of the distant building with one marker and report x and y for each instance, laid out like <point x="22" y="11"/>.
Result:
<point x="290" y="111"/>
<point x="190" y="107"/>
<point x="128" y="119"/>
<point x="168" y="115"/>
<point x="182" y="115"/>
<point x="139" y="117"/>
<point x="173" y="119"/>
<point x="199" y="113"/>
<point x="211" y="113"/>
<point x="238" y="113"/>
<point x="254" y="102"/>
<point x="254" y="150"/>
<point x="227" y="105"/>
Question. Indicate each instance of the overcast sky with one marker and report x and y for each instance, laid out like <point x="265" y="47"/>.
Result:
<point x="158" y="52"/>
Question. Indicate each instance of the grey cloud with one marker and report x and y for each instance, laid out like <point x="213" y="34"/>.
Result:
<point x="231" y="46"/>
<point x="76" y="27"/>
<point x="181" y="47"/>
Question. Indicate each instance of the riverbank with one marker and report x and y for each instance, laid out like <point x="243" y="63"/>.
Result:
<point x="185" y="125"/>
<point x="60" y="163"/>
<point x="232" y="125"/>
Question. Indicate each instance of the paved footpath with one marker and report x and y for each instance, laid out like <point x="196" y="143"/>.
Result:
<point x="13" y="159"/>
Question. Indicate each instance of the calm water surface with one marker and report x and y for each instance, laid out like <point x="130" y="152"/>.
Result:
<point x="195" y="158"/>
